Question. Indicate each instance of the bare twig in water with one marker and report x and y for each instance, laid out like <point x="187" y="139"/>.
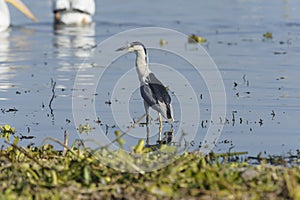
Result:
<point x="66" y="138"/>
<point x="53" y="83"/>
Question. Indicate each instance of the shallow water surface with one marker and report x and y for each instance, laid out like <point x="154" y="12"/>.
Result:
<point x="260" y="75"/>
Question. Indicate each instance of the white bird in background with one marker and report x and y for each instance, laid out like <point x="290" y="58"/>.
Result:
<point x="5" y="15"/>
<point x="73" y="12"/>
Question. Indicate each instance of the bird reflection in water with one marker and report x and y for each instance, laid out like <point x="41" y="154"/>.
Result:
<point x="12" y="48"/>
<point x="74" y="40"/>
<point x="167" y="139"/>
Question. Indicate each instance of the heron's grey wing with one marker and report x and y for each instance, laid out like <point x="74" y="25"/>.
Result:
<point x="159" y="90"/>
<point x="147" y="95"/>
<point x="155" y="94"/>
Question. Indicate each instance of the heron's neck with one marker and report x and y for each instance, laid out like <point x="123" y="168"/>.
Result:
<point x="141" y="64"/>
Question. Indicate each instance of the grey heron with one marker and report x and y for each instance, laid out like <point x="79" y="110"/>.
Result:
<point x="153" y="92"/>
<point x="73" y="12"/>
<point x="5" y="15"/>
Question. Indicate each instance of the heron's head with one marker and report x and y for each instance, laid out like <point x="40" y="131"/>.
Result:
<point x="133" y="47"/>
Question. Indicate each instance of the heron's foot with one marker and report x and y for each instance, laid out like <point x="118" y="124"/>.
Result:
<point x="167" y="139"/>
<point x="159" y="141"/>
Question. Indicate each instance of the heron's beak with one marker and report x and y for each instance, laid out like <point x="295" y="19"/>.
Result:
<point x="21" y="6"/>
<point x="122" y="48"/>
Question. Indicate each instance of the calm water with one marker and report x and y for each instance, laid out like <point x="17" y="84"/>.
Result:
<point x="266" y="72"/>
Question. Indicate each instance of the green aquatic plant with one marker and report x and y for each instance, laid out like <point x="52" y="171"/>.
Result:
<point x="86" y="128"/>
<point x="119" y="140"/>
<point x="6" y="131"/>
<point x="196" y="39"/>
<point x="42" y="172"/>
<point x="162" y="42"/>
<point x="268" y="35"/>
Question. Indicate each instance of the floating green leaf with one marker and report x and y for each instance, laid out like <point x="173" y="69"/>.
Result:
<point x="268" y="35"/>
<point x="196" y="39"/>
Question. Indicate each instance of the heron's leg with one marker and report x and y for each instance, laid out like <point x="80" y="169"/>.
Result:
<point x="147" y="122"/>
<point x="147" y="119"/>
<point x="147" y="137"/>
<point x="160" y="126"/>
<point x="147" y="112"/>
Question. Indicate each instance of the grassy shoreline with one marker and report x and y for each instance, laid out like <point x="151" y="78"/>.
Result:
<point x="45" y="173"/>
<point x="76" y="172"/>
